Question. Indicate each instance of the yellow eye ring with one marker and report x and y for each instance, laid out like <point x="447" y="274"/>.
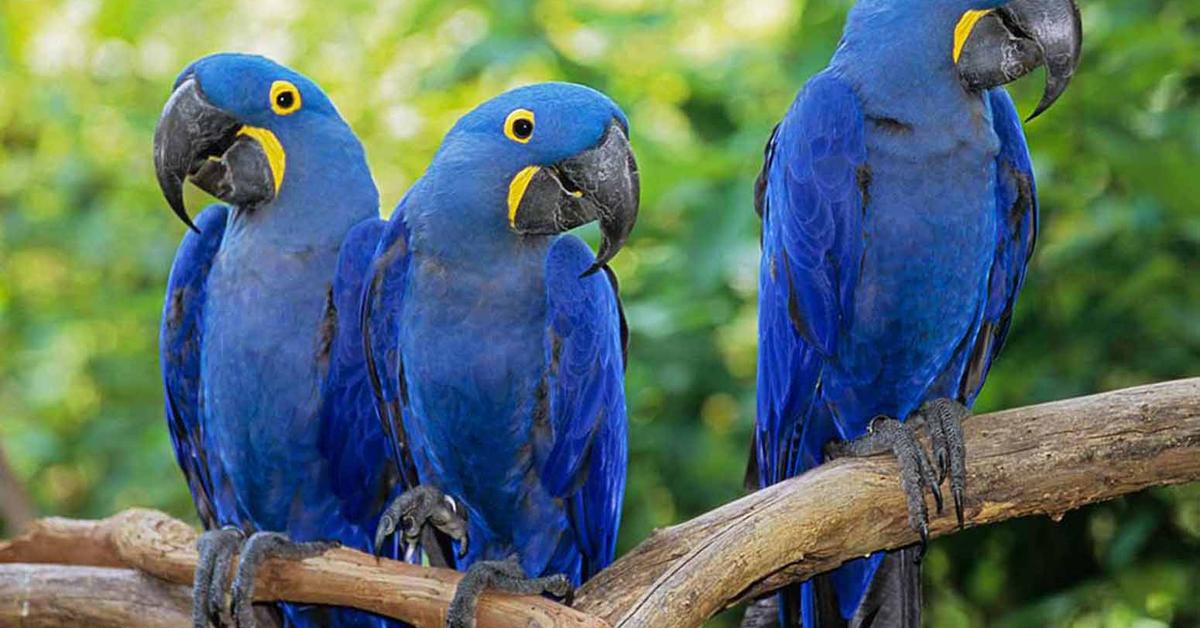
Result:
<point x="285" y="98"/>
<point x="518" y="127"/>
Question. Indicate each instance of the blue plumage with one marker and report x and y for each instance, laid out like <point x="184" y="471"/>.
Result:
<point x="898" y="218"/>
<point x="500" y="367"/>
<point x="267" y="397"/>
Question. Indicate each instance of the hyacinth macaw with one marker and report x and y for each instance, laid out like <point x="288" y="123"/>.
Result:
<point x="498" y="349"/>
<point x="267" y="398"/>
<point x="899" y="213"/>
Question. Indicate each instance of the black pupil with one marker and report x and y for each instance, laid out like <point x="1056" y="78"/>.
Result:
<point x="285" y="100"/>
<point x="522" y="128"/>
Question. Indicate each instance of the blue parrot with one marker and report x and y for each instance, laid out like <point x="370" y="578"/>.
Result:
<point x="899" y="214"/>
<point x="268" y="401"/>
<point x="497" y="347"/>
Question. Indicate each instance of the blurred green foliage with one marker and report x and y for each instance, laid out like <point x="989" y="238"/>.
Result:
<point x="1113" y="297"/>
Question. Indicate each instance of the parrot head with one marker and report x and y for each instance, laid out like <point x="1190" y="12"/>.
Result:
<point x="996" y="43"/>
<point x="545" y="159"/>
<point x="240" y="127"/>
<point x="974" y="44"/>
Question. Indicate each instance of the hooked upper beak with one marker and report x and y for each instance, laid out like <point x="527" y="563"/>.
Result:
<point x="601" y="183"/>
<point x="998" y="46"/>
<point x="198" y="141"/>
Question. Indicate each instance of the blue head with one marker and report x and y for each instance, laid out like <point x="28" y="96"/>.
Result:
<point x="532" y="162"/>
<point x="925" y="55"/>
<point x="266" y="140"/>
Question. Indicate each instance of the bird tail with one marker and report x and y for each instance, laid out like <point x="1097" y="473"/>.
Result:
<point x="892" y="599"/>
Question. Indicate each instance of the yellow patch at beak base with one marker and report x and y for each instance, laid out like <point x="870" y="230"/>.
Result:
<point x="276" y="156"/>
<point x="963" y="29"/>
<point x="516" y="191"/>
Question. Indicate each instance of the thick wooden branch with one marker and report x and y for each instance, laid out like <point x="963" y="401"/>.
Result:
<point x="1040" y="460"/>
<point x="164" y="547"/>
<point x="36" y="596"/>
<point x="67" y="541"/>
<point x="1045" y="459"/>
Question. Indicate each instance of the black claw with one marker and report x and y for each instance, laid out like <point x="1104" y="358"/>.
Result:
<point x="217" y="548"/>
<point x="928" y="478"/>
<point x="387" y="525"/>
<point x="220" y="582"/>
<point x="260" y="547"/>
<point x="417" y="510"/>
<point x="507" y="576"/>
<point x="944" y="419"/>
<point x="916" y="472"/>
<point x="924" y="544"/>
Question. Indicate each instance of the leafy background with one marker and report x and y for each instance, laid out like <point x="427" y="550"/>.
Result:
<point x="1113" y="299"/>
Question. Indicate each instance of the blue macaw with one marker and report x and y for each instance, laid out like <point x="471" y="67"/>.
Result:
<point x="267" y="397"/>
<point x="899" y="214"/>
<point x="498" y="349"/>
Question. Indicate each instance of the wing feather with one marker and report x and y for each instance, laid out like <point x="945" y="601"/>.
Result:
<point x="1017" y="227"/>
<point x="362" y="477"/>
<point x="585" y="352"/>
<point x="811" y="198"/>
<point x="180" y="340"/>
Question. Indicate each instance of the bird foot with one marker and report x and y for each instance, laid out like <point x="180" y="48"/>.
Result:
<point x="418" y="508"/>
<point x="943" y="420"/>
<point x="916" y="473"/>
<point x="217" y="549"/>
<point x="258" y="548"/>
<point x="500" y="575"/>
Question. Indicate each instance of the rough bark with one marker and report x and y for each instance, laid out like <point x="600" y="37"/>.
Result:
<point x="1040" y="460"/>
<point x="1044" y="459"/>
<point x="165" y="547"/>
<point x="36" y="596"/>
<point x="67" y="541"/>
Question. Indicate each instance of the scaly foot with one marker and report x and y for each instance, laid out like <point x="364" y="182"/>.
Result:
<point x="916" y="473"/>
<point x="943" y="419"/>
<point x="417" y="508"/>
<point x="217" y="548"/>
<point x="258" y="548"/>
<point x="499" y="575"/>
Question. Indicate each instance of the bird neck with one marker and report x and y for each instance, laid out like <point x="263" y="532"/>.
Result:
<point x="465" y="226"/>
<point x="899" y="61"/>
<point x="327" y="189"/>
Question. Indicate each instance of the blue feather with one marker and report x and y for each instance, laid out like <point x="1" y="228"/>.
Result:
<point x="498" y="368"/>
<point x="881" y="286"/>
<point x="180" y="339"/>
<point x="267" y="399"/>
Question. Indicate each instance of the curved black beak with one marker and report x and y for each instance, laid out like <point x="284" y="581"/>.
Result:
<point x="195" y="140"/>
<point x="600" y="183"/>
<point x="1013" y="40"/>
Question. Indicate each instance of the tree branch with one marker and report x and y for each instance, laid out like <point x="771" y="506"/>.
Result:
<point x="164" y="547"/>
<point x="35" y="596"/>
<point x="1045" y="459"/>
<point x="1040" y="460"/>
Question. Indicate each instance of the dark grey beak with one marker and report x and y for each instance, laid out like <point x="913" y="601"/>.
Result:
<point x="1015" y="39"/>
<point x="600" y="183"/>
<point x="195" y="140"/>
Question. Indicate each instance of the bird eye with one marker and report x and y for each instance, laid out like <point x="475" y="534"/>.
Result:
<point x="519" y="126"/>
<point x="285" y="98"/>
